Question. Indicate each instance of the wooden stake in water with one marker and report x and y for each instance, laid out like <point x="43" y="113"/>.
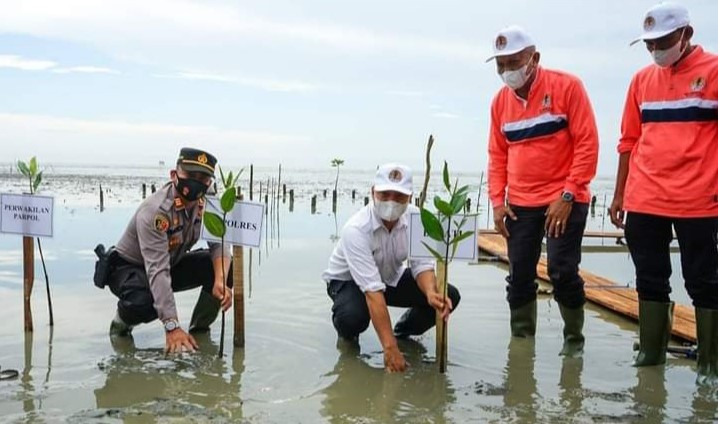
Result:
<point x="251" y="182"/>
<point x="102" y="199"/>
<point x="478" y="198"/>
<point x="28" y="260"/>
<point x="442" y="342"/>
<point x="238" y="281"/>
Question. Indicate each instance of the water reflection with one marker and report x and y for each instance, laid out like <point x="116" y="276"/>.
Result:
<point x="571" y="393"/>
<point x="705" y="405"/>
<point x="649" y="394"/>
<point x="28" y="389"/>
<point x="520" y="384"/>
<point x="195" y="386"/>
<point x="366" y="393"/>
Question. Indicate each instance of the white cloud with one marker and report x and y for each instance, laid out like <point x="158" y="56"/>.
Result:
<point x="108" y="141"/>
<point x="446" y="115"/>
<point x="17" y="62"/>
<point x="261" y="83"/>
<point x="25" y="64"/>
<point x="406" y="93"/>
<point x="158" y="22"/>
<point x="86" y="70"/>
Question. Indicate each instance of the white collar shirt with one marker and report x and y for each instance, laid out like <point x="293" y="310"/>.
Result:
<point x="372" y="256"/>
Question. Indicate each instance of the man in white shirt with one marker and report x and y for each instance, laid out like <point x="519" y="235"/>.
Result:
<point x="367" y="271"/>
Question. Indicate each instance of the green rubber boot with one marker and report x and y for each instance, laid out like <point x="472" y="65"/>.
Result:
<point x="573" y="339"/>
<point x="205" y="312"/>
<point x="523" y="320"/>
<point x="118" y="328"/>
<point x="707" y="335"/>
<point x="654" y="332"/>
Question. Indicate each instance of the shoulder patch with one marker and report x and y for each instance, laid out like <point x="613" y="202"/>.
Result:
<point x="162" y="223"/>
<point x="179" y="204"/>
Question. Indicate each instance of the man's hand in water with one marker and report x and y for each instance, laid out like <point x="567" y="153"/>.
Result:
<point x="178" y="340"/>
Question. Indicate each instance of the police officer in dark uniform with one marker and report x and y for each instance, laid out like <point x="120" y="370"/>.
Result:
<point x="153" y="259"/>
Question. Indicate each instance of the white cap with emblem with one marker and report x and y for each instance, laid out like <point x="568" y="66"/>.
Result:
<point x="662" y="19"/>
<point x="393" y="177"/>
<point x="510" y="40"/>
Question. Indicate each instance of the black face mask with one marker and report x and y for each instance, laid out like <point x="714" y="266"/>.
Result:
<point x="190" y="189"/>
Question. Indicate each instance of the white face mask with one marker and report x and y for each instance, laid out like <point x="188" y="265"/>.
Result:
<point x="669" y="56"/>
<point x="517" y="78"/>
<point x="389" y="210"/>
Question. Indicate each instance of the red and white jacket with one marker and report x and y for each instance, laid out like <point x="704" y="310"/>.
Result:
<point x="542" y="146"/>
<point x="670" y="127"/>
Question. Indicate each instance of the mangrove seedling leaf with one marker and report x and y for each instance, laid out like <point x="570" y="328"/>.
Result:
<point x="228" y="199"/>
<point x="436" y="254"/>
<point x="221" y="176"/>
<point x="432" y="225"/>
<point x="442" y="206"/>
<point x="22" y="167"/>
<point x="445" y="174"/>
<point x="214" y="224"/>
<point x="457" y="240"/>
<point x="230" y="178"/>
<point x="458" y="201"/>
<point x="36" y="183"/>
<point x="33" y="166"/>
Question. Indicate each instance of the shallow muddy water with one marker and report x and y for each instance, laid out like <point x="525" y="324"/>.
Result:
<point x="292" y="370"/>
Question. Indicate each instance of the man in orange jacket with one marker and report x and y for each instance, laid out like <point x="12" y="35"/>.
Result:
<point x="668" y="179"/>
<point x="543" y="149"/>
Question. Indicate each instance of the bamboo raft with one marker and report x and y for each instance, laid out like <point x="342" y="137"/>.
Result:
<point x="599" y="290"/>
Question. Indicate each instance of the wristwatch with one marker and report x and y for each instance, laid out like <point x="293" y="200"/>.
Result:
<point x="171" y="325"/>
<point x="567" y="196"/>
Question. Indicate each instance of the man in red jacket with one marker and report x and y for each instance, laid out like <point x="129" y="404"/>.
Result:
<point x="543" y="149"/>
<point x="668" y="180"/>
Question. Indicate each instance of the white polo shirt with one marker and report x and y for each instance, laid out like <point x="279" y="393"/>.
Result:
<point x="371" y="255"/>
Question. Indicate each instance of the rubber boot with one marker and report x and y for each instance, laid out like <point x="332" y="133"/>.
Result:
<point x="523" y="320"/>
<point x="707" y="335"/>
<point x="654" y="332"/>
<point x="118" y="328"/>
<point x="205" y="312"/>
<point x="573" y="339"/>
<point x="415" y="322"/>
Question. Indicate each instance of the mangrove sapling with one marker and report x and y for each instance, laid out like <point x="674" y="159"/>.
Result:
<point x="445" y="227"/>
<point x="217" y="227"/>
<point x="34" y="176"/>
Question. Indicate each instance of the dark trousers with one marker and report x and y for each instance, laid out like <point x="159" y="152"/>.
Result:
<point x="564" y="255"/>
<point x="130" y="284"/>
<point x="350" y="313"/>
<point x="649" y="238"/>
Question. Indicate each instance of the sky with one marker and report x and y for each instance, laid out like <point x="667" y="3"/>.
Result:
<point x="296" y="82"/>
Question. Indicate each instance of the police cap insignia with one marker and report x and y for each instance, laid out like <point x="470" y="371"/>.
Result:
<point x="162" y="223"/>
<point x="195" y="160"/>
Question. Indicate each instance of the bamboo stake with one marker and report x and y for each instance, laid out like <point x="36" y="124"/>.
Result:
<point x="441" y="277"/>
<point x="238" y="281"/>
<point x="442" y="347"/>
<point x="28" y="257"/>
<point x="251" y="182"/>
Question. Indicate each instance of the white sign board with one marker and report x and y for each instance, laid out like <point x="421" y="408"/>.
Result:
<point x="244" y="223"/>
<point x="26" y="214"/>
<point x="465" y="251"/>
